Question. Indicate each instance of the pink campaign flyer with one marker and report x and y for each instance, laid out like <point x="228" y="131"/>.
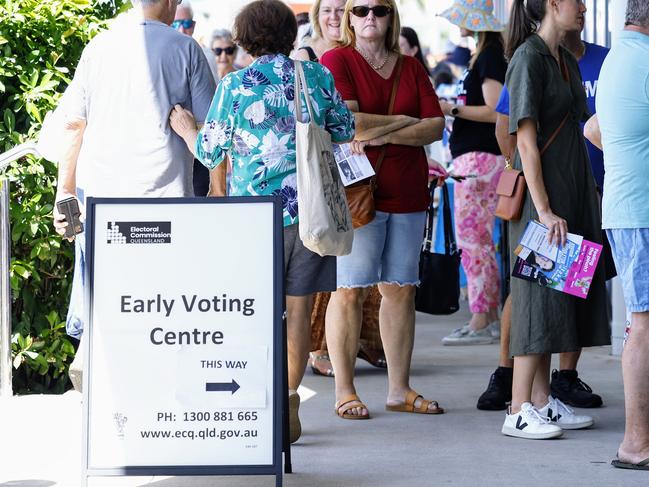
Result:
<point x="582" y="270"/>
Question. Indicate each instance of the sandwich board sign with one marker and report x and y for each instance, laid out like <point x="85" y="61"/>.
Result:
<point x="183" y="372"/>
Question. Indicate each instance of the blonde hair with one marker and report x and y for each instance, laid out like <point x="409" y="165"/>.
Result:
<point x="348" y="36"/>
<point x="314" y="15"/>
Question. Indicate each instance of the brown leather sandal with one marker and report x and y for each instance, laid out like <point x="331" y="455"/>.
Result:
<point x="374" y="357"/>
<point x="347" y="400"/>
<point x="409" y="405"/>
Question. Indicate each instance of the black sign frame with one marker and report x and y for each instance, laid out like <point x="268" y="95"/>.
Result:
<point x="278" y="360"/>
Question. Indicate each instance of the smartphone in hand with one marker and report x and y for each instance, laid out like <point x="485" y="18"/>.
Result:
<point x="69" y="207"/>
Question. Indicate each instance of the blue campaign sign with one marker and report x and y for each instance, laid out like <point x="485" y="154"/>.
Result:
<point x="184" y="371"/>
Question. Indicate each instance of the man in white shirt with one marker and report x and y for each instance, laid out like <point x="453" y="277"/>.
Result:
<point x="184" y="23"/>
<point x="116" y="110"/>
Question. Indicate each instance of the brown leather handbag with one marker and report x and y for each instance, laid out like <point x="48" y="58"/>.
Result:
<point x="511" y="188"/>
<point x="360" y="196"/>
<point x="511" y="193"/>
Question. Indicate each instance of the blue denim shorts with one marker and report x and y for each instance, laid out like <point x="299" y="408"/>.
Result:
<point x="630" y="248"/>
<point x="386" y="250"/>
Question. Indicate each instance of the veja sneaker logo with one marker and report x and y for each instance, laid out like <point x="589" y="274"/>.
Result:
<point x="138" y="232"/>
<point x="553" y="418"/>
<point x="520" y="426"/>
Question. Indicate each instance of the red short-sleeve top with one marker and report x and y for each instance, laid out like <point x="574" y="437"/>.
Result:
<point x="403" y="178"/>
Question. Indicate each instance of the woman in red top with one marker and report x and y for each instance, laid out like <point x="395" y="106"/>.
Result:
<point x="386" y="251"/>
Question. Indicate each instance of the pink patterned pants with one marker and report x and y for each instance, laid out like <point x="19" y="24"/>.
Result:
<point x="475" y="202"/>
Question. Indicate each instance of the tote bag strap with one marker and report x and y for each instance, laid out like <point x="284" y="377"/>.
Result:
<point x="301" y="87"/>
<point x="430" y="221"/>
<point x="450" y="245"/>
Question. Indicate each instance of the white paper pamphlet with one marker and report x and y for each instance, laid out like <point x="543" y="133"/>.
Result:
<point x="535" y="238"/>
<point x="352" y="167"/>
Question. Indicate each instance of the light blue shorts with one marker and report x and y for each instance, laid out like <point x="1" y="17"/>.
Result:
<point x="385" y="250"/>
<point x="630" y="248"/>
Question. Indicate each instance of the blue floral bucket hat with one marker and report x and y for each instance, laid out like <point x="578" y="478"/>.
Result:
<point x="473" y="15"/>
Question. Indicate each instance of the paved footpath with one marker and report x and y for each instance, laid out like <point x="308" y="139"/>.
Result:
<point x="40" y="435"/>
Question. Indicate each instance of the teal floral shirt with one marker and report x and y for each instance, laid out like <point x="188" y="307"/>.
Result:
<point x="252" y="118"/>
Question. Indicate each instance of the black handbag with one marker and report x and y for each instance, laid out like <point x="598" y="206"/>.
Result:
<point x="439" y="274"/>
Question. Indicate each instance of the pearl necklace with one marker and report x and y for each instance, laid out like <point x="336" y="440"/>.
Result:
<point x="369" y="61"/>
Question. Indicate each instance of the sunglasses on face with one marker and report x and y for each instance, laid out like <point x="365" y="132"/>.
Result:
<point x="186" y="24"/>
<point x="364" y="11"/>
<point x="227" y="50"/>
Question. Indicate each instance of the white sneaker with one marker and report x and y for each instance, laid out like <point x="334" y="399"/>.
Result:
<point x="494" y="329"/>
<point x="467" y="336"/>
<point x="530" y="424"/>
<point x="560" y="414"/>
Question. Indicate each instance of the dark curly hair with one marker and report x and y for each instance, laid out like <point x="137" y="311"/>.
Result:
<point x="265" y="27"/>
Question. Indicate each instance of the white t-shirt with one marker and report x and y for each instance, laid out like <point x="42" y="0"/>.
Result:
<point x="128" y="80"/>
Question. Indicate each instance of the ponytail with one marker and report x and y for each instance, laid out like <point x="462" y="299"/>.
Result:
<point x="524" y="19"/>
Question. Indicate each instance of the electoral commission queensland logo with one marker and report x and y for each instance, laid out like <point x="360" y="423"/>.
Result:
<point x="138" y="232"/>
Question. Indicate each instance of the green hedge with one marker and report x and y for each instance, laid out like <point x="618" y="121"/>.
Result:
<point x="40" y="45"/>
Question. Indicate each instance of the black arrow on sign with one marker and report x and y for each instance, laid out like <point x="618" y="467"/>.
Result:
<point x="222" y="386"/>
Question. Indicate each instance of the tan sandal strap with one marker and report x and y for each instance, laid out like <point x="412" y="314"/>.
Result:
<point x="411" y="397"/>
<point x="345" y="400"/>
<point x="423" y="407"/>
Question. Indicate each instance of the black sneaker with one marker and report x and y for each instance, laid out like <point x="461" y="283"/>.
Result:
<point x="570" y="389"/>
<point x="499" y="391"/>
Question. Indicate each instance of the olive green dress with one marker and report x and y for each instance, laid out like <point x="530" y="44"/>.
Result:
<point x="545" y="320"/>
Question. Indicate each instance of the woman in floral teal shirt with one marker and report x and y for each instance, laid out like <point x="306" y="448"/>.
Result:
<point x="252" y="119"/>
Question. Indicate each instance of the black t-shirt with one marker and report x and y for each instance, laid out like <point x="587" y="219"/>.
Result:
<point x="469" y="136"/>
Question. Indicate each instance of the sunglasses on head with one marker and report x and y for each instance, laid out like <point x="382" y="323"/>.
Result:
<point x="227" y="50"/>
<point x="186" y="23"/>
<point x="364" y="11"/>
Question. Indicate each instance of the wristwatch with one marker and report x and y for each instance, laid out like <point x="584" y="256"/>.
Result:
<point x="455" y="111"/>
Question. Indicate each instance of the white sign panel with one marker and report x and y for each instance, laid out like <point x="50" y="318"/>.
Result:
<point x="180" y="370"/>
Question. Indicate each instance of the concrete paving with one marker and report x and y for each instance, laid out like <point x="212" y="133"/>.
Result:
<point x="40" y="435"/>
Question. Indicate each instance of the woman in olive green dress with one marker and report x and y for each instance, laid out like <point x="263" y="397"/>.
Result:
<point x="547" y="96"/>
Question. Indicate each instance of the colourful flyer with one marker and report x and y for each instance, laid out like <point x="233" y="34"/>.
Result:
<point x="571" y="268"/>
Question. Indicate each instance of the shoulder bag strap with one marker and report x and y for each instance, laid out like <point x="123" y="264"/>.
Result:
<point x="311" y="53"/>
<point x="566" y="77"/>
<point x="393" y="96"/>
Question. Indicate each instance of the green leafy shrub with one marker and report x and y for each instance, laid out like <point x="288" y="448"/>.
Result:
<point x="40" y="45"/>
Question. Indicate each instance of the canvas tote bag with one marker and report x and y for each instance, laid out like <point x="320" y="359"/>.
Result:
<point x="325" y="224"/>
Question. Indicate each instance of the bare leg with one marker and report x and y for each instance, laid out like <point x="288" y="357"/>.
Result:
<point x="479" y="321"/>
<point x="541" y="385"/>
<point x="568" y="360"/>
<point x="343" y="329"/>
<point x="505" y="327"/>
<point x="635" y="369"/>
<point x="298" y="331"/>
<point x="525" y="367"/>
<point x="397" y="321"/>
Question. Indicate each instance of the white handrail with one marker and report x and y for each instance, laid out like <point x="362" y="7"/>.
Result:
<point x="17" y="152"/>
<point x="7" y="158"/>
